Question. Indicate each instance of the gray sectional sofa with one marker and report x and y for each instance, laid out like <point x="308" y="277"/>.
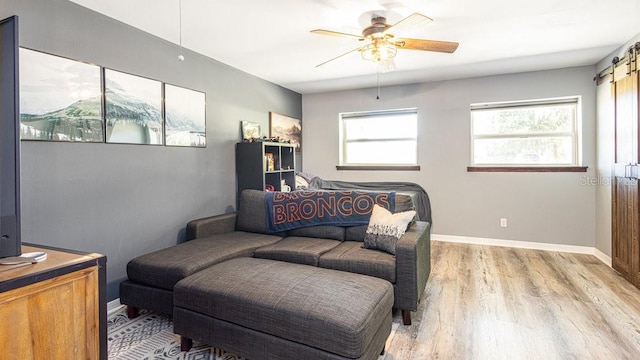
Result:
<point x="214" y="240"/>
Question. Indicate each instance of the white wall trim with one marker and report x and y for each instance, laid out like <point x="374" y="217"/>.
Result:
<point x="602" y="256"/>
<point x="526" y="245"/>
<point x="113" y="306"/>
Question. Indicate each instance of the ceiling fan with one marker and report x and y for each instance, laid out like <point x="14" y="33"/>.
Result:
<point x="381" y="44"/>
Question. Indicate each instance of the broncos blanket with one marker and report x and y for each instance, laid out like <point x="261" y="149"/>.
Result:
<point x="291" y="210"/>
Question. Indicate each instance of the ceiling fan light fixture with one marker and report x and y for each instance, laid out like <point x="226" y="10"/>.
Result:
<point x="379" y="51"/>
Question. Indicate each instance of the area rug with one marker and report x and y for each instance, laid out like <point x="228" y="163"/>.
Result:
<point x="150" y="337"/>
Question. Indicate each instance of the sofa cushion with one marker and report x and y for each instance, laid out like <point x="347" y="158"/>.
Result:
<point x="385" y="228"/>
<point x="355" y="233"/>
<point x="294" y="249"/>
<point x="320" y="231"/>
<point x="252" y="213"/>
<point x="350" y="256"/>
<point x="164" y="268"/>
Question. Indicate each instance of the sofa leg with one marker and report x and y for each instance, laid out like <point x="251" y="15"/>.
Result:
<point x="185" y="343"/>
<point x="406" y="317"/>
<point x="383" y="348"/>
<point x="132" y="312"/>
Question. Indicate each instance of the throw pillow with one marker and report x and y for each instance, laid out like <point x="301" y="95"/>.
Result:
<point x="386" y="228"/>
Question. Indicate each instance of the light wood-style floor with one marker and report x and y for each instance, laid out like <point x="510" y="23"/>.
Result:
<point x="486" y="302"/>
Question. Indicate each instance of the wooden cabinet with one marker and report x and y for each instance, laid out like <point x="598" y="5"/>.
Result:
<point x="625" y="215"/>
<point x="55" y="309"/>
<point x="263" y="164"/>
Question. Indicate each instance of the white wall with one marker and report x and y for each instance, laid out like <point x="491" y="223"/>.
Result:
<point x="605" y="159"/>
<point x="605" y="155"/>
<point x="556" y="208"/>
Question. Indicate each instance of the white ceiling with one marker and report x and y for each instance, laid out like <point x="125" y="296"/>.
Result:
<point x="272" y="39"/>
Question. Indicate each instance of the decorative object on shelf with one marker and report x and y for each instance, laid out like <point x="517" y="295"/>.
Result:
<point x="251" y="131"/>
<point x="285" y="129"/>
<point x="284" y="187"/>
<point x="269" y="162"/>
<point x="60" y="99"/>
<point x="269" y="188"/>
<point x="134" y="109"/>
<point x="185" y="114"/>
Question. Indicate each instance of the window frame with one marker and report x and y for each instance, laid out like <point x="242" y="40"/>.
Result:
<point x="575" y="134"/>
<point x="344" y="141"/>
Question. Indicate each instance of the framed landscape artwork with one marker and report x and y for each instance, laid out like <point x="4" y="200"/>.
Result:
<point x="60" y="99"/>
<point x="287" y="128"/>
<point x="133" y="109"/>
<point x="185" y="117"/>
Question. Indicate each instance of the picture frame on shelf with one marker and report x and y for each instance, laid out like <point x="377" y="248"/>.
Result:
<point x="269" y="162"/>
<point x="250" y="130"/>
<point x="133" y="109"/>
<point x="286" y="128"/>
<point x="60" y="98"/>
<point x="185" y="117"/>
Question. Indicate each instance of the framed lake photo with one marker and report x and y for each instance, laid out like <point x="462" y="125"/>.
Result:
<point x="185" y="120"/>
<point x="286" y="128"/>
<point x="60" y="99"/>
<point x="133" y="107"/>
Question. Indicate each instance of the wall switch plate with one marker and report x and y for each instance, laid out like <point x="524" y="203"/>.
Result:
<point x="503" y="222"/>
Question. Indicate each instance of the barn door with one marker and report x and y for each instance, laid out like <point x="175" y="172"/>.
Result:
<point x="625" y="194"/>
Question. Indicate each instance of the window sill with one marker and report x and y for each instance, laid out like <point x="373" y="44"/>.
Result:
<point x="379" y="167"/>
<point x="527" y="168"/>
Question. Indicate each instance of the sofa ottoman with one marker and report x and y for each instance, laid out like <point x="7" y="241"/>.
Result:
<point x="267" y="309"/>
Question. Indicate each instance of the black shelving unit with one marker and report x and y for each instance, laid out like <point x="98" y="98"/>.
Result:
<point x="253" y="170"/>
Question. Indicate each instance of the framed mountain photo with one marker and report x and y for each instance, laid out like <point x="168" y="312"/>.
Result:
<point x="60" y="99"/>
<point x="133" y="109"/>
<point x="286" y="129"/>
<point x="185" y="123"/>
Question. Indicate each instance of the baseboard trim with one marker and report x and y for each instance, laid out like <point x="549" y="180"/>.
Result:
<point x="113" y="306"/>
<point x="525" y="245"/>
<point x="602" y="257"/>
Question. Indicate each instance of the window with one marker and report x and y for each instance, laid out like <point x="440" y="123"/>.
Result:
<point x="379" y="138"/>
<point x="526" y="133"/>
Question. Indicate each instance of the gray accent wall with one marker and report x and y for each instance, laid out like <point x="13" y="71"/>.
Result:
<point x="127" y="200"/>
<point x="556" y="208"/>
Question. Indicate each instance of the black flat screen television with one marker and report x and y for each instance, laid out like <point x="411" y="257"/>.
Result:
<point x="10" y="243"/>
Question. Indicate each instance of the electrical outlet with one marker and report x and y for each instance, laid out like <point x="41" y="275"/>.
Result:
<point x="503" y="222"/>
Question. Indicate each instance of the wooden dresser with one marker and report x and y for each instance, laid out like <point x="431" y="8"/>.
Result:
<point x="55" y="309"/>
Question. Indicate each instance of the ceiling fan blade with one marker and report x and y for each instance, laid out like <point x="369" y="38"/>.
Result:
<point x="335" y="33"/>
<point x="410" y="21"/>
<point x="339" y="56"/>
<point x="427" y="45"/>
